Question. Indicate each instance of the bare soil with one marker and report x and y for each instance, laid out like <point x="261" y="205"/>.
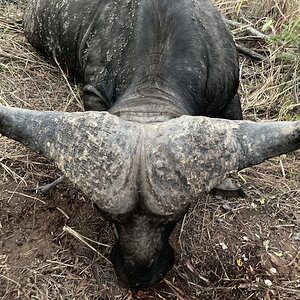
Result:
<point x="237" y="248"/>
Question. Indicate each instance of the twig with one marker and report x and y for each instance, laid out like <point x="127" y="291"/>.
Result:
<point x="248" y="28"/>
<point x="282" y="168"/>
<point x="287" y="289"/>
<point x="14" y="57"/>
<point x="179" y="293"/>
<point x="63" y="213"/>
<point x="13" y="174"/>
<point x="9" y="279"/>
<point x="250" y="53"/>
<point x="181" y="231"/>
<point x="296" y="84"/>
<point x="80" y="238"/>
<point x="27" y="196"/>
<point x="246" y="51"/>
<point x="46" y="188"/>
<point x="67" y="81"/>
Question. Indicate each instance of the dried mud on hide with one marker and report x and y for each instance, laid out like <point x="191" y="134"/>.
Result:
<point x="225" y="249"/>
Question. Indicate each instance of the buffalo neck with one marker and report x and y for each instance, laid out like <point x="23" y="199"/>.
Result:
<point x="149" y="105"/>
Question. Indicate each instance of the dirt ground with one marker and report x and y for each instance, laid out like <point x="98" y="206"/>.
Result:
<point x="237" y="248"/>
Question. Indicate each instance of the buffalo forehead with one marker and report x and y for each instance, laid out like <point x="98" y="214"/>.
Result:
<point x="163" y="167"/>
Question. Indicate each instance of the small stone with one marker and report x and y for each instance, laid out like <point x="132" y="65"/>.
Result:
<point x="268" y="282"/>
<point x="226" y="206"/>
<point x="266" y="245"/>
<point x="224" y="246"/>
<point x="297" y="236"/>
<point x="273" y="270"/>
<point x="244" y="257"/>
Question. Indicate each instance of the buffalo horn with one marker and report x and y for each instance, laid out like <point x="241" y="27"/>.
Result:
<point x="93" y="149"/>
<point x="189" y="155"/>
<point x="169" y="163"/>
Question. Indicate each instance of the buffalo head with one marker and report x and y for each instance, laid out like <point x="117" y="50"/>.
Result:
<point x="143" y="177"/>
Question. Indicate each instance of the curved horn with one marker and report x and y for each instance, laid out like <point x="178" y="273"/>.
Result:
<point x="261" y="141"/>
<point x="95" y="150"/>
<point x="170" y="163"/>
<point x="190" y="155"/>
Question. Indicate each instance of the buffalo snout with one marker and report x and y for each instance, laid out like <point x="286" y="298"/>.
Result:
<point x="142" y="255"/>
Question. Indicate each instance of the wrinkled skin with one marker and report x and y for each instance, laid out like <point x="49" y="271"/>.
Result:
<point x="143" y="260"/>
<point x="145" y="61"/>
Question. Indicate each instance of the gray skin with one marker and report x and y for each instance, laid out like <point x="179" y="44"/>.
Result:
<point x="145" y="65"/>
<point x="143" y="60"/>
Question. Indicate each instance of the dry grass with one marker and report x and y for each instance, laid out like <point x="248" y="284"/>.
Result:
<point x="269" y="89"/>
<point x="228" y="249"/>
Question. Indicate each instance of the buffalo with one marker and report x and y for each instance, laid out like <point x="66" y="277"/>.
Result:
<point x="163" y="120"/>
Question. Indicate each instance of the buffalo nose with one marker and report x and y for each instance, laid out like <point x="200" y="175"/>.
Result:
<point x="140" y="275"/>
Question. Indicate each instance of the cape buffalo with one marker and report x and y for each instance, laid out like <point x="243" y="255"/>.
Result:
<point x="163" y="121"/>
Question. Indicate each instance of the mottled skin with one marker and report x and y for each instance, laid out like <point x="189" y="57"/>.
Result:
<point x="161" y="57"/>
<point x="145" y="61"/>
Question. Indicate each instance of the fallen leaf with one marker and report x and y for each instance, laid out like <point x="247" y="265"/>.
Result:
<point x="239" y="262"/>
